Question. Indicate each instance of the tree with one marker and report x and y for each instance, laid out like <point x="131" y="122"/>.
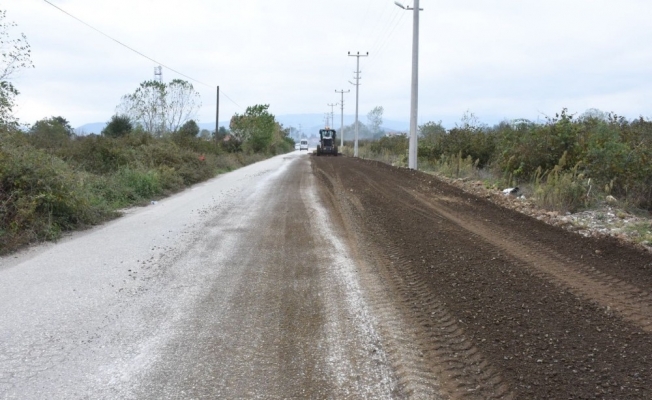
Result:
<point x="120" y="125"/>
<point x="375" y="118"/>
<point x="15" y="55"/>
<point x="221" y="133"/>
<point x="160" y="108"/>
<point x="182" y="103"/>
<point x="189" y="129"/>
<point x="146" y="106"/>
<point x="255" y="129"/>
<point x="363" y="131"/>
<point x="431" y="131"/>
<point x="205" y="134"/>
<point x="51" y="132"/>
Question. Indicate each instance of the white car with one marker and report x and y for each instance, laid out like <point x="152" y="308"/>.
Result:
<point x="303" y="145"/>
<point x="296" y="146"/>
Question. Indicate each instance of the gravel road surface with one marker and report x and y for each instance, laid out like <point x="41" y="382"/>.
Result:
<point x="237" y="288"/>
<point x="326" y="278"/>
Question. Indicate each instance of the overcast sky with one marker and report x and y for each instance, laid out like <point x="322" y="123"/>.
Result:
<point x="500" y="59"/>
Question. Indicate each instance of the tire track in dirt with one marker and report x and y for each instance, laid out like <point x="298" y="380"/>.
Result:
<point x="632" y="303"/>
<point x="462" y="368"/>
<point x="415" y="377"/>
<point x="536" y="338"/>
<point x="435" y="356"/>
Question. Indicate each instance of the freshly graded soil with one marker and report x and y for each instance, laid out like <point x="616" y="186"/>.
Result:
<point x="503" y="305"/>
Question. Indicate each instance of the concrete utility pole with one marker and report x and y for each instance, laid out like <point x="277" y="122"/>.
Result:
<point x="357" y="98"/>
<point x="414" y="101"/>
<point x="332" y="106"/>
<point x="342" y="115"/>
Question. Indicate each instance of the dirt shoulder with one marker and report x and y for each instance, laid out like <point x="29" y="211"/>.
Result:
<point x="605" y="220"/>
<point x="506" y="305"/>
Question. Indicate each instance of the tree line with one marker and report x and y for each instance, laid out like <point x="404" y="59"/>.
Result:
<point x="582" y="157"/>
<point x="53" y="180"/>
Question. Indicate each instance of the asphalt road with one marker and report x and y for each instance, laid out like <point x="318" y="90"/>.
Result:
<point x="237" y="288"/>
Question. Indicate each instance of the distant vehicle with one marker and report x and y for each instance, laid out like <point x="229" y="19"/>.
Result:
<point x="297" y="146"/>
<point x="303" y="145"/>
<point x="327" y="143"/>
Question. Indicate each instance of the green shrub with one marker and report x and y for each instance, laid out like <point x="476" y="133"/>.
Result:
<point x="140" y="184"/>
<point x="41" y="196"/>
<point x="453" y="167"/>
<point x="52" y="181"/>
<point x="561" y="189"/>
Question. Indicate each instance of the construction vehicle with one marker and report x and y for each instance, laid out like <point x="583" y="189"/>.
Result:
<point x="327" y="144"/>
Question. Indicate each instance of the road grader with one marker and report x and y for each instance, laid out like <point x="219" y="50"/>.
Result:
<point x="327" y="144"/>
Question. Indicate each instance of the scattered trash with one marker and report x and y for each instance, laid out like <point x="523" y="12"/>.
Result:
<point x="154" y="202"/>
<point x="611" y="200"/>
<point x="509" y="191"/>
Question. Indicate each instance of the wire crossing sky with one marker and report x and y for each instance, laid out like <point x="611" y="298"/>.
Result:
<point x="138" y="52"/>
<point x="499" y="60"/>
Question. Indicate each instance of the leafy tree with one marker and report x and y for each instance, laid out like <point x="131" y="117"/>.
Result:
<point x="431" y="131"/>
<point x="51" y="132"/>
<point x="161" y="108"/>
<point x="222" y="132"/>
<point x="363" y="132"/>
<point x="15" y="55"/>
<point x="375" y="118"/>
<point x="146" y="106"/>
<point x="120" y="125"/>
<point x="181" y="104"/>
<point x="431" y="135"/>
<point x="255" y="128"/>
<point x="190" y="129"/>
<point x="205" y="134"/>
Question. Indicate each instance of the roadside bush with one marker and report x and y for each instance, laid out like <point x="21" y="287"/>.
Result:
<point x="41" y="196"/>
<point x="98" y="154"/>
<point x="453" y="167"/>
<point x="140" y="184"/>
<point x="614" y="153"/>
<point x="120" y="125"/>
<point x="393" y="144"/>
<point x="561" y="189"/>
<point x="51" y="133"/>
<point x="53" y="181"/>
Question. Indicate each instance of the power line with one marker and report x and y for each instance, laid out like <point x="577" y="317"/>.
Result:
<point x="382" y="46"/>
<point x="136" y="51"/>
<point x="384" y="31"/>
<point x="342" y="116"/>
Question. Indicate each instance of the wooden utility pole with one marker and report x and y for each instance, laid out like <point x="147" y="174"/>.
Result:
<point x="217" y="113"/>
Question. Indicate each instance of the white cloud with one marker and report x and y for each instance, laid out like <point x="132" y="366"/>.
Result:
<point x="507" y="58"/>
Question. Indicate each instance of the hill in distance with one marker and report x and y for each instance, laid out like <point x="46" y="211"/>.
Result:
<point x="307" y="123"/>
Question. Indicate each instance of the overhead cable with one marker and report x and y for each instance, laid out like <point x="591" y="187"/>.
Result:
<point x="138" y="52"/>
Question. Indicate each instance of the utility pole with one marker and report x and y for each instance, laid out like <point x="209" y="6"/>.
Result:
<point x="342" y="115"/>
<point x="332" y="106"/>
<point x="357" y="98"/>
<point x="414" y="100"/>
<point x="217" y="113"/>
